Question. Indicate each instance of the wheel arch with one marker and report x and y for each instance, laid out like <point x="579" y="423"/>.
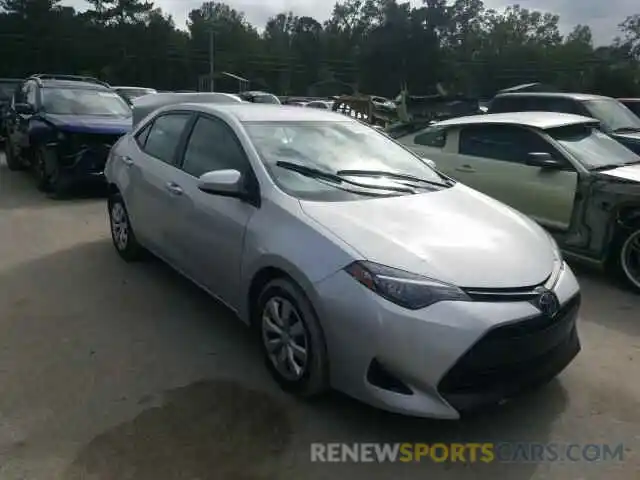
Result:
<point x="268" y="272"/>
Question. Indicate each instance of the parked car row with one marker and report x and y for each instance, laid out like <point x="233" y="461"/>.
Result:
<point x="362" y="267"/>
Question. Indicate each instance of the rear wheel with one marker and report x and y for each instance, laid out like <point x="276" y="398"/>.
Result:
<point x="124" y="240"/>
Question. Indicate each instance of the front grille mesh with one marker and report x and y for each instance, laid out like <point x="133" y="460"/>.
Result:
<point x="510" y="353"/>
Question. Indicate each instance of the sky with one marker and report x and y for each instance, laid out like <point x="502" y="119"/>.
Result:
<point x="602" y="16"/>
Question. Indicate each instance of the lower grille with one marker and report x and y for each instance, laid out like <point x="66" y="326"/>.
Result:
<point x="514" y="356"/>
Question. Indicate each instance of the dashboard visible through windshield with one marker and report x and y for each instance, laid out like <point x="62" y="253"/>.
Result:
<point x="335" y="161"/>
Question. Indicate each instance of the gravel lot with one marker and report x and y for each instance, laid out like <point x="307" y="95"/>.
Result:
<point x="112" y="371"/>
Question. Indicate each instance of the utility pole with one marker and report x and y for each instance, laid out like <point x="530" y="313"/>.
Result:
<point x="211" y="69"/>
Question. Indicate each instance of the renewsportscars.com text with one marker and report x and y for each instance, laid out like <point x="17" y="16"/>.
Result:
<point x="506" y="452"/>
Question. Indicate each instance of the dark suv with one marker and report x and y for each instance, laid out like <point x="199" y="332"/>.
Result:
<point x="615" y="119"/>
<point x="62" y="127"/>
<point x="7" y="88"/>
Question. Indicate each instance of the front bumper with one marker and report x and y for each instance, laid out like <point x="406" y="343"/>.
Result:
<point x="445" y="359"/>
<point x="84" y="156"/>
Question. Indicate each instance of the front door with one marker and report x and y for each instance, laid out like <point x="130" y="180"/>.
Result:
<point x="493" y="160"/>
<point x="212" y="227"/>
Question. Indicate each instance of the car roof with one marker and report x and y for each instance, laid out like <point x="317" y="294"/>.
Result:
<point x="633" y="100"/>
<point x="265" y="112"/>
<point x="581" y="97"/>
<point x="48" y="83"/>
<point x="539" y="120"/>
<point x="133" y="88"/>
<point x="261" y="112"/>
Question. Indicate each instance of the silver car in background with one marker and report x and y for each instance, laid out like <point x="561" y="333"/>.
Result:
<point x="359" y="266"/>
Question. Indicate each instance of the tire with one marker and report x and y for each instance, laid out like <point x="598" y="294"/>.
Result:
<point x="303" y="330"/>
<point x="13" y="162"/>
<point x="628" y="257"/>
<point x="39" y="169"/>
<point x="124" y="240"/>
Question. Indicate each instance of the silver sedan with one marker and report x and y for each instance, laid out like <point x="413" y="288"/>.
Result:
<point x="360" y="266"/>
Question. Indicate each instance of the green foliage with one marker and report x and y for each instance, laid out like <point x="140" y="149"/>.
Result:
<point x="374" y="46"/>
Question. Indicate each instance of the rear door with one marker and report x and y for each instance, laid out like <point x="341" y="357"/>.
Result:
<point x="153" y="194"/>
<point x="494" y="161"/>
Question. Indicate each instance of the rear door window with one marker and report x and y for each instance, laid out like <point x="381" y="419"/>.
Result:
<point x="164" y="137"/>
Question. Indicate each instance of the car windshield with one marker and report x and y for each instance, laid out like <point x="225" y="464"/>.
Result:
<point x="613" y="115"/>
<point x="334" y="148"/>
<point x="78" y="101"/>
<point x="592" y="147"/>
<point x="266" y="98"/>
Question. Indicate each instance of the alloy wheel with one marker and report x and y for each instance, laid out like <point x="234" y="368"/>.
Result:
<point x="285" y="338"/>
<point x="630" y="258"/>
<point x="119" y="226"/>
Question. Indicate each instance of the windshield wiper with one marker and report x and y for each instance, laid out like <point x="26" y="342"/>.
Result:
<point x="626" y="130"/>
<point x="332" y="177"/>
<point x="398" y="176"/>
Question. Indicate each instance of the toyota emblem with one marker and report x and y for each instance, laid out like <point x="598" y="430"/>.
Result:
<point x="548" y="303"/>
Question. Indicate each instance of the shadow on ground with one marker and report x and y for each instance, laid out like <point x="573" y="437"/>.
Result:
<point x="610" y="302"/>
<point x="140" y="321"/>
<point x="18" y="190"/>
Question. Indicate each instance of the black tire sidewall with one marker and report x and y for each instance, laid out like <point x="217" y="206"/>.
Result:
<point x="314" y="381"/>
<point x="13" y="162"/>
<point x="132" y="251"/>
<point x="620" y="250"/>
<point x="40" y="169"/>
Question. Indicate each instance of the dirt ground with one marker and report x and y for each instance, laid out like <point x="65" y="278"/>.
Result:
<point x="110" y="371"/>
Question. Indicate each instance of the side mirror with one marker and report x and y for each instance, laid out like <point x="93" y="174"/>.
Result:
<point x="24" y="109"/>
<point x="543" y="160"/>
<point x="429" y="162"/>
<point x="227" y="183"/>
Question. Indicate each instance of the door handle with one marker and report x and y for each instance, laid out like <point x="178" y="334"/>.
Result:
<point x="174" y="188"/>
<point x="465" y="168"/>
<point x="128" y="161"/>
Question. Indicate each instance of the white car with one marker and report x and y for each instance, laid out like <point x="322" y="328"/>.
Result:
<point x="559" y="169"/>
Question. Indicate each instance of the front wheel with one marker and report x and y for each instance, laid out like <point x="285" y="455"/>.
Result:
<point x="292" y="339"/>
<point x="629" y="258"/>
<point x="13" y="161"/>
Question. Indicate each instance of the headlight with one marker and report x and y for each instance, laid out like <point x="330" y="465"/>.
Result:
<point x="403" y="288"/>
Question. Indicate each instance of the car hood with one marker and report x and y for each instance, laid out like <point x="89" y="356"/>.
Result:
<point x="629" y="172"/>
<point x="91" y="123"/>
<point x="456" y="235"/>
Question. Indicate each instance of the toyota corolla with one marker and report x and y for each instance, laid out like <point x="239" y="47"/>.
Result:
<point x="360" y="267"/>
